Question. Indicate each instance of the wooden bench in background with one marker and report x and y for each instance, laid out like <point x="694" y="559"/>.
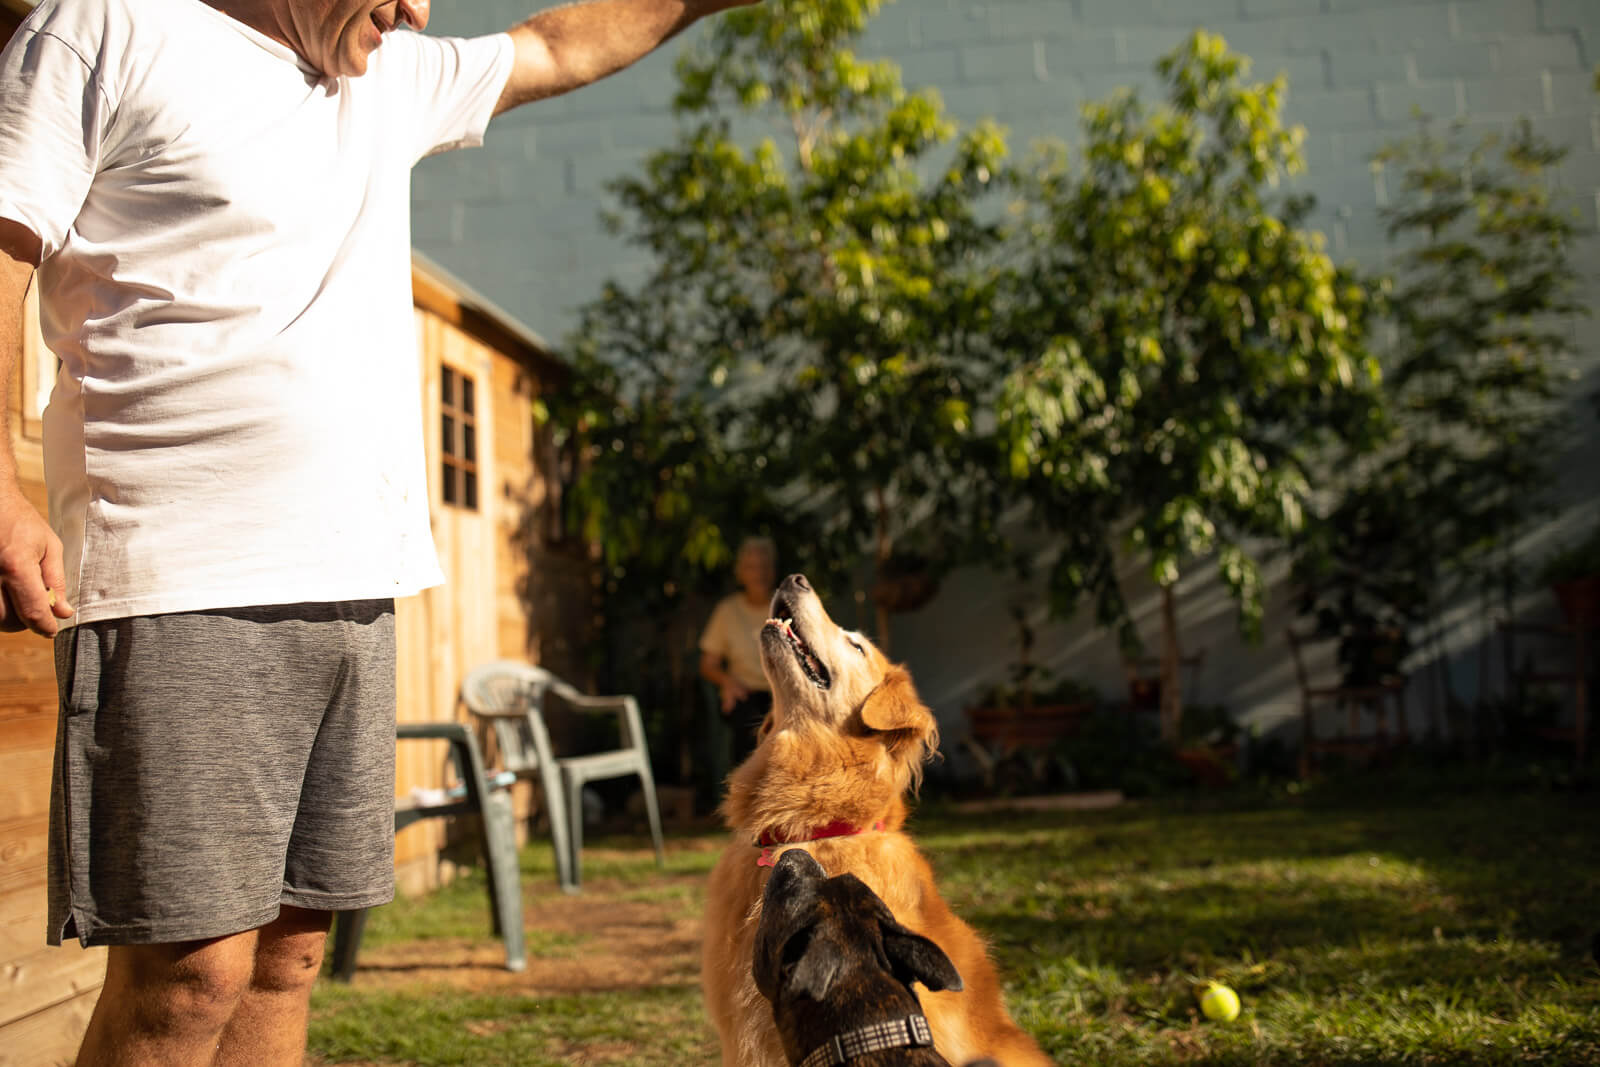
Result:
<point x="999" y="733"/>
<point x="1575" y="675"/>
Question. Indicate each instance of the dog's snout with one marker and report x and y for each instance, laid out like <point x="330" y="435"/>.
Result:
<point x="798" y="583"/>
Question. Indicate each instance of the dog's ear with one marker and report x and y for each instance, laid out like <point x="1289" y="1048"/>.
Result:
<point x="894" y="706"/>
<point x="915" y="958"/>
<point x="815" y="974"/>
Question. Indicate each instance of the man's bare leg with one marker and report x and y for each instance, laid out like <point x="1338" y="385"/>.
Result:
<point x="167" y="1005"/>
<point x="268" y="1029"/>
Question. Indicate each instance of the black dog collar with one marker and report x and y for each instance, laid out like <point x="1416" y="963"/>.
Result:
<point x="909" y="1032"/>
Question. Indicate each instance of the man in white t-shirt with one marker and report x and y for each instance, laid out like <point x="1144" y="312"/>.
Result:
<point x="214" y="195"/>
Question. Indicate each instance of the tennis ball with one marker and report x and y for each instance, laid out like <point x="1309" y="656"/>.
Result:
<point x="1220" y="1003"/>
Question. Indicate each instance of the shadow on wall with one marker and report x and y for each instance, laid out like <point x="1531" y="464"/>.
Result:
<point x="965" y="641"/>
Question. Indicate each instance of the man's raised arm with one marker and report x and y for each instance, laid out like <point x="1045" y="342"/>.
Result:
<point x="566" y="47"/>
<point x="30" y="552"/>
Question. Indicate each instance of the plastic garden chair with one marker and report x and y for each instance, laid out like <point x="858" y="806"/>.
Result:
<point x="476" y="796"/>
<point x="510" y="695"/>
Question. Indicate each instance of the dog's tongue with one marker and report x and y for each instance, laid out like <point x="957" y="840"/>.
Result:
<point x="788" y="628"/>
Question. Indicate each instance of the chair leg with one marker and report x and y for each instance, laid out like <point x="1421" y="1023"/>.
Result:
<point x="347" y="930"/>
<point x="647" y="781"/>
<point x="555" y="798"/>
<point x="985" y="761"/>
<point x="575" y="829"/>
<point x="500" y="849"/>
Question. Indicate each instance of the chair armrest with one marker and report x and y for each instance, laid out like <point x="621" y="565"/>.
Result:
<point x="498" y="713"/>
<point x="626" y="708"/>
<point x="463" y="752"/>
<point x="439" y="731"/>
<point x="584" y="702"/>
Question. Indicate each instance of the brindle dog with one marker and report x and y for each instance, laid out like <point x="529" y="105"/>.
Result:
<point x="838" y="970"/>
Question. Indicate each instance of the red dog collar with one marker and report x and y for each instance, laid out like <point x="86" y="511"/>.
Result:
<point x="838" y="828"/>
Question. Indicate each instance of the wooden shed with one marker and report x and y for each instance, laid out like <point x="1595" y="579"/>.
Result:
<point x="492" y="501"/>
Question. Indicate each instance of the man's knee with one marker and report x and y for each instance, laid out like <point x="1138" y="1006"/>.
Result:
<point x="289" y="952"/>
<point x="178" y="988"/>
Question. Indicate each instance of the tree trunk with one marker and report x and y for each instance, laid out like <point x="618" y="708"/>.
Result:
<point x="884" y="547"/>
<point x="1171" y="691"/>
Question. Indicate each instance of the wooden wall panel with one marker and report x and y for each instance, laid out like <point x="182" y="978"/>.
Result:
<point x="27" y="749"/>
<point x="46" y="977"/>
<point x="22" y="852"/>
<point x="22" y="921"/>
<point x="518" y="494"/>
<point x="50" y="1037"/>
<point x="448" y="630"/>
<point x="46" y="994"/>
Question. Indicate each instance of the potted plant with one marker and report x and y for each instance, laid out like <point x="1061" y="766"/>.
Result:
<point x="1208" y="746"/>
<point x="906" y="581"/>
<point x="1025" y="716"/>
<point x="1573" y="574"/>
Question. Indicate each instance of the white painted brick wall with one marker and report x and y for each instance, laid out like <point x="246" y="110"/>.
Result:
<point x="517" y="219"/>
<point x="1357" y="69"/>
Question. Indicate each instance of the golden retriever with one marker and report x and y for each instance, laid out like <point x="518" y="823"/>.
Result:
<point x="845" y="741"/>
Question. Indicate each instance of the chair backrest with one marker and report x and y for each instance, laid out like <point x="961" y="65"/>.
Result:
<point x="503" y="686"/>
<point x="505" y="692"/>
<point x="512" y="695"/>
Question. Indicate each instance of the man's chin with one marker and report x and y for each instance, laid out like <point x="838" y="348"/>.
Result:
<point x="349" y="59"/>
<point x="354" y="65"/>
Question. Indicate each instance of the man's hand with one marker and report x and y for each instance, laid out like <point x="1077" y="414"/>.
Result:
<point x="732" y="693"/>
<point x="33" y="585"/>
<point x="570" y="46"/>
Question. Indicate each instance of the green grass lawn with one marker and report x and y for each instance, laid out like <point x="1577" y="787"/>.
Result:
<point x="1381" y="922"/>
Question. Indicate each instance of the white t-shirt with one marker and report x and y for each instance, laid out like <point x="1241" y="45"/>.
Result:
<point x="733" y="633"/>
<point x="226" y="279"/>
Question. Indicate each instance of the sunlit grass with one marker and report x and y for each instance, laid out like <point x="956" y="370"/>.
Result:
<point x="1367" y="925"/>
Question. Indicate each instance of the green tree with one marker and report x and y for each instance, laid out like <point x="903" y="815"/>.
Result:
<point x="1483" y="304"/>
<point x="815" y="317"/>
<point x="1186" y="347"/>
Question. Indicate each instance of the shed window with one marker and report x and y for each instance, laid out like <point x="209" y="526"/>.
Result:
<point x="458" y="439"/>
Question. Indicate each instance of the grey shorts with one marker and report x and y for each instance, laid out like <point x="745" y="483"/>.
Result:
<point x="211" y="766"/>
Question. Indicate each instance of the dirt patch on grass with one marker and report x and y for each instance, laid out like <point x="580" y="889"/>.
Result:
<point x="613" y="936"/>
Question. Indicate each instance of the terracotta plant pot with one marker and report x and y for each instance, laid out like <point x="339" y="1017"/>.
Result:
<point x="1579" y="599"/>
<point x="904" y="592"/>
<point x="1144" y="694"/>
<point x="1212" y="766"/>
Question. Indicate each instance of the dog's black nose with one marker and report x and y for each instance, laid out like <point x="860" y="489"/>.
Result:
<point x="797" y="582"/>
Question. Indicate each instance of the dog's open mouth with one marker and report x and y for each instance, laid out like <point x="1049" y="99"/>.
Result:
<point x="811" y="666"/>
